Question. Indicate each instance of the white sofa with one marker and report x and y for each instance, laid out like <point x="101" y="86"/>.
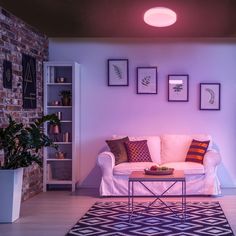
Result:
<point x="166" y="150"/>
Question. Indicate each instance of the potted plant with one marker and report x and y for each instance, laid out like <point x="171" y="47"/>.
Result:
<point x="65" y="97"/>
<point x="20" y="145"/>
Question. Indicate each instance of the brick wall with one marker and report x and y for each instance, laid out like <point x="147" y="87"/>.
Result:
<point x="17" y="37"/>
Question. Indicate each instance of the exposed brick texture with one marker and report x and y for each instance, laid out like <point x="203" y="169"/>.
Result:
<point x="17" y="37"/>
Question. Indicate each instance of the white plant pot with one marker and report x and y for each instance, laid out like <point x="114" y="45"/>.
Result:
<point x="10" y="194"/>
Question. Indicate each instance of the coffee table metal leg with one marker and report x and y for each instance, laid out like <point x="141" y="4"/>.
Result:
<point x="183" y="200"/>
<point x="184" y="207"/>
<point x="132" y="199"/>
<point x="129" y="199"/>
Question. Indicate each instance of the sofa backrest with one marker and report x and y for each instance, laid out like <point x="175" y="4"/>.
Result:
<point x="169" y="147"/>
<point x="153" y="142"/>
<point x="174" y="148"/>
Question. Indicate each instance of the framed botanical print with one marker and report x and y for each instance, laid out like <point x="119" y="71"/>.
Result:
<point x="178" y="88"/>
<point x="118" y="72"/>
<point x="146" y="80"/>
<point x="210" y="96"/>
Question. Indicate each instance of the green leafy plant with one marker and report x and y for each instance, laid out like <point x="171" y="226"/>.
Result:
<point x="65" y="97"/>
<point x="65" y="93"/>
<point x="21" y="144"/>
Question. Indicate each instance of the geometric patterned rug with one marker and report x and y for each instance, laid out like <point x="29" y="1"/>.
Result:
<point x="111" y="218"/>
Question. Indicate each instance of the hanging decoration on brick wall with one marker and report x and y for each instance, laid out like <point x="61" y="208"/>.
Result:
<point x="29" y="81"/>
<point x="7" y="74"/>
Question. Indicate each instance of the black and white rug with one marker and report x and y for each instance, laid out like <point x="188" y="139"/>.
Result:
<point x="111" y="218"/>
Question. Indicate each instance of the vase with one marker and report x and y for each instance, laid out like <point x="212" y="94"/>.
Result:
<point x="10" y="194"/>
<point x="65" y="101"/>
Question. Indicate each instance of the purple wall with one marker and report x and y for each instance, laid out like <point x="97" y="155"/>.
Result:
<point x="119" y="110"/>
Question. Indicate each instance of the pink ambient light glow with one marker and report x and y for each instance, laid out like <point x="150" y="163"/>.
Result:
<point x="160" y="17"/>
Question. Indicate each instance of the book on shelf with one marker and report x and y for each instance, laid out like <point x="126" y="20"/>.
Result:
<point x="49" y="172"/>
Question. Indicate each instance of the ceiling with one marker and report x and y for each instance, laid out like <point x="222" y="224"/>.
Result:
<point x="124" y="18"/>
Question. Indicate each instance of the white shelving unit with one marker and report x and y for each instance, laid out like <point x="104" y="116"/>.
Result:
<point x="62" y="171"/>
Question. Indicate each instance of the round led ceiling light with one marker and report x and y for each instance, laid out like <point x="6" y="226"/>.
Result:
<point x="160" y="17"/>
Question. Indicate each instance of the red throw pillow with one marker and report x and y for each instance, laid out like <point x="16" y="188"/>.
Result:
<point x="138" y="151"/>
<point x="197" y="150"/>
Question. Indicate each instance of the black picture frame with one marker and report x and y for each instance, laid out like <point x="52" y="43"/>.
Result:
<point x="29" y="82"/>
<point x="7" y="74"/>
<point x="178" y="88"/>
<point x="147" y="81"/>
<point x="210" y="96"/>
<point x="118" y="72"/>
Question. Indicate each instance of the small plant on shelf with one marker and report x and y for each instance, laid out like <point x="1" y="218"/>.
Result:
<point x="65" y="97"/>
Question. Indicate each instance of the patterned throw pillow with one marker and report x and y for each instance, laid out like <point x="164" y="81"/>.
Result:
<point x="197" y="151"/>
<point x="138" y="151"/>
<point x="117" y="147"/>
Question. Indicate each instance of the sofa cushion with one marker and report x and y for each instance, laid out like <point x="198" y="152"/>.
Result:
<point x="187" y="167"/>
<point x="174" y="148"/>
<point x="127" y="167"/>
<point x="153" y="142"/>
<point x="138" y="151"/>
<point x="117" y="147"/>
<point x="197" y="151"/>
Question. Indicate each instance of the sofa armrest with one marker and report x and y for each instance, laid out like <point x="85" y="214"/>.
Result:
<point x="211" y="160"/>
<point x="106" y="161"/>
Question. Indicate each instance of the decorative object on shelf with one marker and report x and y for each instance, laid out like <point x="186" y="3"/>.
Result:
<point x="65" y="97"/>
<point x="118" y="72"/>
<point x="146" y="80"/>
<point x="59" y="115"/>
<point x="66" y="137"/>
<point x="178" y="90"/>
<point x="21" y="145"/>
<point x="54" y="129"/>
<point x="7" y="74"/>
<point x="55" y="103"/>
<point x="29" y="82"/>
<point x="210" y="96"/>
<point x="61" y="80"/>
<point x="60" y="155"/>
<point x="52" y="74"/>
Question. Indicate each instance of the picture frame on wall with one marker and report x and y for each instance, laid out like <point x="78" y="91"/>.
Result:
<point x="210" y="96"/>
<point x="147" y="80"/>
<point x="118" y="72"/>
<point x="29" y="94"/>
<point x="178" y="88"/>
<point x="7" y="74"/>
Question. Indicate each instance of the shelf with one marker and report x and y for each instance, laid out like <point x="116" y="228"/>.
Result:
<point x="55" y="181"/>
<point x="63" y="142"/>
<point x="63" y="121"/>
<point x="62" y="171"/>
<point x="61" y="107"/>
<point x="55" y="159"/>
<point x="56" y="84"/>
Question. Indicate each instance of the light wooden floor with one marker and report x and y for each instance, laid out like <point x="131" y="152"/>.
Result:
<point x="53" y="213"/>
